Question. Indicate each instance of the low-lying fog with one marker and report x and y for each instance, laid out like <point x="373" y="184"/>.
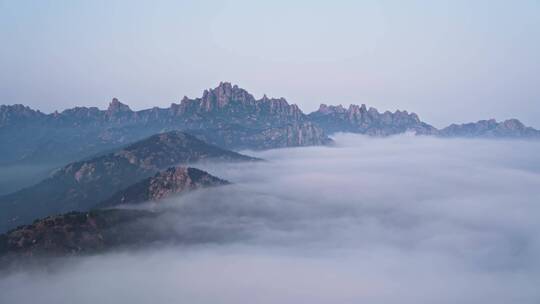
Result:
<point x="396" y="220"/>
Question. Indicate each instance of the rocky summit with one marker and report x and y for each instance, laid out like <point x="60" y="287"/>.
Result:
<point x="162" y="185"/>
<point x="82" y="185"/>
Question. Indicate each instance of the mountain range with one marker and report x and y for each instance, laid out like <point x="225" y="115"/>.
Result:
<point x="360" y="119"/>
<point x="107" y="158"/>
<point x="227" y="116"/>
<point x="510" y="128"/>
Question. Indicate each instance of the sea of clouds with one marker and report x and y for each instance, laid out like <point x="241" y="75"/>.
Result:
<point x="396" y="220"/>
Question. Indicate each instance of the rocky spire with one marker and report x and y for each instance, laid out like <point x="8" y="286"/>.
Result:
<point x="115" y="106"/>
<point x="223" y="95"/>
<point x="326" y="109"/>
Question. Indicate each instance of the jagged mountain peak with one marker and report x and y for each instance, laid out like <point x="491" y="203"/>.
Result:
<point x="328" y="109"/>
<point x="231" y="105"/>
<point x="115" y="106"/>
<point x="361" y="108"/>
<point x="225" y="94"/>
<point x="360" y="119"/>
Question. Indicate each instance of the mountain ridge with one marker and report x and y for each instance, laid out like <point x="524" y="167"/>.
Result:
<point x="360" y="119"/>
<point x="510" y="128"/>
<point x="227" y="116"/>
<point x="83" y="184"/>
<point x="103" y="228"/>
<point x="243" y="122"/>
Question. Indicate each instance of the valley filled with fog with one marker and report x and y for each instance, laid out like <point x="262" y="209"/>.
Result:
<point x="404" y="219"/>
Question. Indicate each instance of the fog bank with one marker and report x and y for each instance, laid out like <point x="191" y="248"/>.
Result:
<point x="396" y="220"/>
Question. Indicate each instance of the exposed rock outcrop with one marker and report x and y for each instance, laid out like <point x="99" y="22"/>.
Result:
<point x="162" y="185"/>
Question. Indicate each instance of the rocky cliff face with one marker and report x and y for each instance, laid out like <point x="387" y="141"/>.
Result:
<point x="359" y="119"/>
<point x="511" y="128"/>
<point x="231" y="104"/>
<point x="236" y="119"/>
<point x="82" y="185"/>
<point x="164" y="184"/>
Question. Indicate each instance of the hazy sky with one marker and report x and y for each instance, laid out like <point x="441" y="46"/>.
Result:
<point x="449" y="61"/>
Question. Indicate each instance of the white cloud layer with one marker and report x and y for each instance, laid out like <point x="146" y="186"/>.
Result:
<point x="396" y="220"/>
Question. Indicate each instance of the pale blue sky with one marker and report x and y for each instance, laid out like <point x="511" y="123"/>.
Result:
<point x="448" y="61"/>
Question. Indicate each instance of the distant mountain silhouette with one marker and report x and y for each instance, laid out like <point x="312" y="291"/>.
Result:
<point x="511" y="128"/>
